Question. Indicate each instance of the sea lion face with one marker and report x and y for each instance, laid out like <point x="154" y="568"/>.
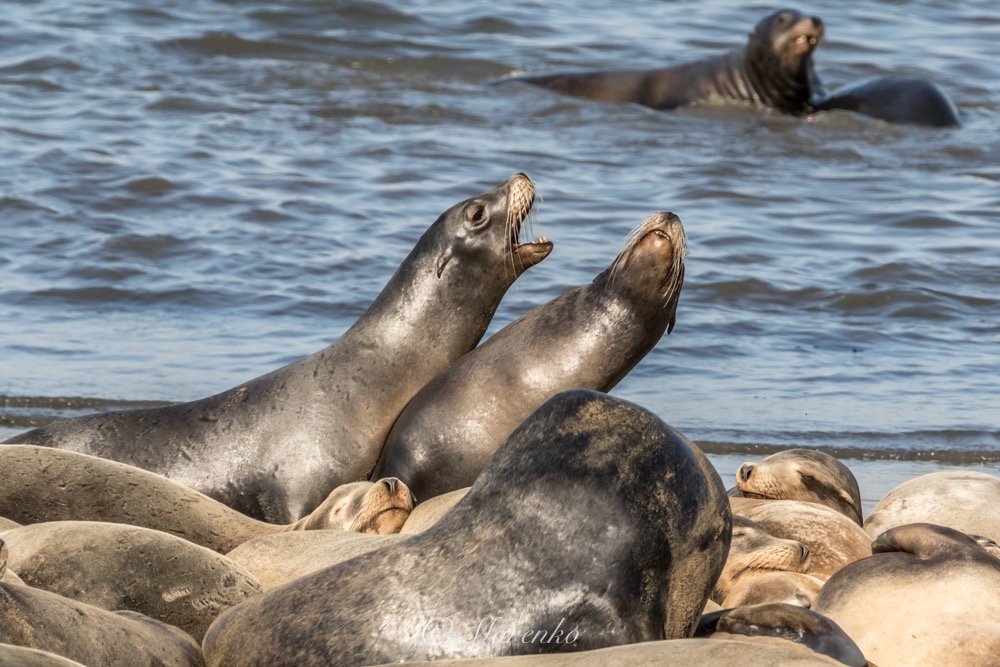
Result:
<point x="493" y="220"/>
<point x="752" y="551"/>
<point x="788" y="35"/>
<point x="802" y="474"/>
<point x="651" y="267"/>
<point x="375" y="508"/>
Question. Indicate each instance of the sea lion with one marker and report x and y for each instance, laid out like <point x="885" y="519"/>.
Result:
<point x="430" y="511"/>
<point x="801" y="474"/>
<point x="788" y="587"/>
<point x="274" y="560"/>
<point x="274" y="447"/>
<point x="966" y="500"/>
<point x="773" y="70"/>
<point x="44" y="484"/>
<point x="753" y="551"/>
<point x="833" y="539"/>
<point x="594" y="520"/>
<point x="896" y="100"/>
<point x="118" y="567"/>
<point x="18" y="656"/>
<point x="667" y="653"/>
<point x="944" y="586"/>
<point x="589" y="337"/>
<point x="49" y="622"/>
<point x="787" y="622"/>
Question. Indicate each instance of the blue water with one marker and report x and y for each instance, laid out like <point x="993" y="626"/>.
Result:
<point x="194" y="194"/>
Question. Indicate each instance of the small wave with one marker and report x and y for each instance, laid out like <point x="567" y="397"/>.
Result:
<point x="24" y="412"/>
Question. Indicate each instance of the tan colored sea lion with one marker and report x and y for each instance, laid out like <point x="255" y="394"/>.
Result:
<point x="788" y="587"/>
<point x="801" y="474"/>
<point x="966" y="500"/>
<point x="43" y="484"/>
<point x="929" y="596"/>
<point x="45" y="621"/>
<point x="428" y="512"/>
<point x="277" y="559"/>
<point x="833" y="539"/>
<point x="119" y="567"/>
<point x="754" y="551"/>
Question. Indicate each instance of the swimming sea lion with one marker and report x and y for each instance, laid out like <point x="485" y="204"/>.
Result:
<point x="44" y="484"/>
<point x="274" y="447"/>
<point x="801" y="474"/>
<point x="833" y="539"/>
<point x="896" y="100"/>
<point x="594" y="520"/>
<point x="118" y="567"/>
<point x="774" y="69"/>
<point x="943" y="587"/>
<point x="38" y="619"/>
<point x="589" y="337"/>
<point x="753" y="551"/>
<point x="966" y="500"/>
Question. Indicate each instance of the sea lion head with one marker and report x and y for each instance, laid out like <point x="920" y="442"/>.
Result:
<point x="375" y="508"/>
<point x="651" y="267"/>
<point x="802" y="474"/>
<point x="779" y="59"/>
<point x="493" y="220"/>
<point x="752" y="551"/>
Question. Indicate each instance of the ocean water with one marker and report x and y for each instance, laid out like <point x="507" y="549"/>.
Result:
<point x="196" y="193"/>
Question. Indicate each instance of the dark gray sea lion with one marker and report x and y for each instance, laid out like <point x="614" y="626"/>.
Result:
<point x="966" y="500"/>
<point x="43" y="484"/>
<point x="945" y="587"/>
<point x="784" y="621"/>
<point x="896" y="100"/>
<point x="274" y="447"/>
<point x="774" y="69"/>
<point x="801" y="474"/>
<point x="589" y="337"/>
<point x="118" y="567"/>
<point x="49" y="622"/>
<point x="753" y="551"/>
<point x="595" y="524"/>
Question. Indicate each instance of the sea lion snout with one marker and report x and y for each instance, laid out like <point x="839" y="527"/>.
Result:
<point x="744" y="472"/>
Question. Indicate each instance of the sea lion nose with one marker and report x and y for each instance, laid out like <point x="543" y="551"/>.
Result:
<point x="390" y="483"/>
<point x="805" y="552"/>
<point x="744" y="472"/>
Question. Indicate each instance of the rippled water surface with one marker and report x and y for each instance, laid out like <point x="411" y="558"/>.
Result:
<point x="194" y="193"/>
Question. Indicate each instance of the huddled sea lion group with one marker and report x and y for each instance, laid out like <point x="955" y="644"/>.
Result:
<point x="408" y="496"/>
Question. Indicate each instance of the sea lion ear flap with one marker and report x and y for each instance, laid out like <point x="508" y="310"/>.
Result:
<point x="443" y="261"/>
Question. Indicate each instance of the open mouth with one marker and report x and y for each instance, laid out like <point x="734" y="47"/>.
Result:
<point x="519" y="201"/>
<point x="805" y="35"/>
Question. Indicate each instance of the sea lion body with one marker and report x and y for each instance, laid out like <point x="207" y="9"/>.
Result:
<point x="945" y="587"/>
<point x="966" y="500"/>
<point x="274" y="447"/>
<point x="896" y="100"/>
<point x="42" y="484"/>
<point x="833" y="539"/>
<point x="117" y="567"/>
<point x="589" y="337"/>
<point x="37" y="619"/>
<point x="774" y="69"/>
<point x="595" y="523"/>
<point x="801" y="474"/>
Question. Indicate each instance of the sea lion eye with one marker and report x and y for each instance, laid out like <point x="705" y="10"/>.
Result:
<point x="477" y="214"/>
